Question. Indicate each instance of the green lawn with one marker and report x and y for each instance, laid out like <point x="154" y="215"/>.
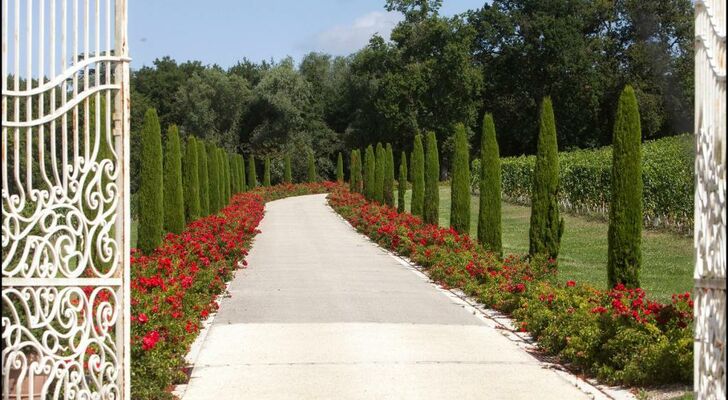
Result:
<point x="667" y="258"/>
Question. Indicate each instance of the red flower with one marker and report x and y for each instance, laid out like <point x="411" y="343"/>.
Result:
<point x="570" y="283"/>
<point x="142" y="318"/>
<point x="150" y="340"/>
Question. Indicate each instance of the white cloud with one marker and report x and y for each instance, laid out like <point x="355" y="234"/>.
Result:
<point x="346" y="39"/>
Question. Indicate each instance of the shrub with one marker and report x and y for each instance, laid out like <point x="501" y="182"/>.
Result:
<point x="287" y="169"/>
<point x="369" y="171"/>
<point x="379" y="167"/>
<point x="585" y="182"/>
<point x="417" y="169"/>
<point x="311" y="167"/>
<point x="489" y="214"/>
<point x="402" y="183"/>
<point x="460" y="193"/>
<point x="203" y="178"/>
<point x="191" y="181"/>
<point x="340" y="168"/>
<point x="389" y="176"/>
<point x="266" y="171"/>
<point x="432" y="175"/>
<point x="151" y="195"/>
<point x="546" y="225"/>
<point x="213" y="178"/>
<point x="625" y="211"/>
<point x="252" y="175"/>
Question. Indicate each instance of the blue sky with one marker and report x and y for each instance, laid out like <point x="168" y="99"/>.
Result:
<point x="224" y="31"/>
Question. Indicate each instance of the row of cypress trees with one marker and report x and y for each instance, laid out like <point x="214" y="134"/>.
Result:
<point x="375" y="179"/>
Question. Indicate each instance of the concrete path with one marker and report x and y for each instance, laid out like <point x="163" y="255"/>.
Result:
<point x="322" y="313"/>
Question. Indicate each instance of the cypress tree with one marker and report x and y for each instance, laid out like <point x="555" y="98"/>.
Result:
<point x="234" y="179"/>
<point x="402" y="183"/>
<point x="546" y="225"/>
<point x="191" y="181"/>
<point x="417" y="169"/>
<point x="252" y="175"/>
<point x="151" y="200"/>
<point x="174" y="206"/>
<point x="243" y="184"/>
<point x="340" y="169"/>
<point x="460" y="190"/>
<point x="226" y="175"/>
<point x="379" y="174"/>
<point x="212" y="178"/>
<point x="369" y="170"/>
<point x="625" y="209"/>
<point x="203" y="178"/>
<point x="432" y="175"/>
<point x="287" y="169"/>
<point x="489" y="215"/>
<point x="311" y="167"/>
<point x="266" y="171"/>
<point x="220" y="178"/>
<point x="353" y="184"/>
<point x="239" y="172"/>
<point x="389" y="176"/>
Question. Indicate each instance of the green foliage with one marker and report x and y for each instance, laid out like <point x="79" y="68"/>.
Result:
<point x="625" y="211"/>
<point x="151" y="193"/>
<point x="402" y="183"/>
<point x="234" y="179"/>
<point x="417" y="169"/>
<point x="340" y="168"/>
<point x="311" y="167"/>
<point x="213" y="178"/>
<point x="489" y="214"/>
<point x="389" y="176"/>
<point x="432" y="180"/>
<point x="287" y="169"/>
<point x="546" y="226"/>
<point x="203" y="178"/>
<point x="355" y="178"/>
<point x="266" y="171"/>
<point x="379" y="174"/>
<point x="243" y="175"/>
<point x="252" y="175"/>
<point x="460" y="203"/>
<point x="585" y="182"/>
<point x="174" y="206"/>
<point x="191" y="180"/>
<point x="369" y="173"/>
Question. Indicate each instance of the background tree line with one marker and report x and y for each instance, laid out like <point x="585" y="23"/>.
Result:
<point x="435" y="72"/>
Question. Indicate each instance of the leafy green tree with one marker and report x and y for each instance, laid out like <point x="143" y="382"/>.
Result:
<point x="432" y="180"/>
<point x="340" y="168"/>
<point x="369" y="172"/>
<point x="489" y="215"/>
<point x="287" y="169"/>
<point x="625" y="209"/>
<point x="266" y="171"/>
<point x="389" y="176"/>
<point x="252" y="175"/>
<point x="311" y="167"/>
<point x="213" y="178"/>
<point x="174" y="208"/>
<point x="402" y="183"/>
<point x="379" y="166"/>
<point x="191" y="180"/>
<point x="203" y="178"/>
<point x="460" y="190"/>
<point x="417" y="168"/>
<point x="151" y="194"/>
<point x="546" y="225"/>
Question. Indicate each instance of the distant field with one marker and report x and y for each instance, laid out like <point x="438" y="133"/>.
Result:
<point x="667" y="257"/>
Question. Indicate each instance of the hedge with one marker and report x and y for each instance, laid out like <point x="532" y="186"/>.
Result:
<point x="584" y="178"/>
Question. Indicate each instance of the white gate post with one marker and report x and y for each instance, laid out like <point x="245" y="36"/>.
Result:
<point x="710" y="200"/>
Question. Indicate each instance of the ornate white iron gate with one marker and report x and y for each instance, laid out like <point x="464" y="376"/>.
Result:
<point x="65" y="203"/>
<point x="710" y="200"/>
